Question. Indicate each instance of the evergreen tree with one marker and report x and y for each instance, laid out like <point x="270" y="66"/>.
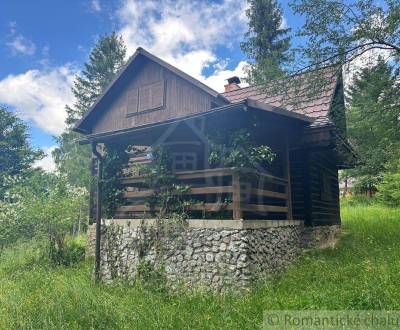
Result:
<point x="16" y="154"/>
<point x="105" y="60"/>
<point x="267" y="41"/>
<point x="374" y="122"/>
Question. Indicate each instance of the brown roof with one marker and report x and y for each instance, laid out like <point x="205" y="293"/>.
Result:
<point x="316" y="106"/>
<point x="294" y="94"/>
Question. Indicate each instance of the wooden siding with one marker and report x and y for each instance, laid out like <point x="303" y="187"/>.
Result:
<point x="298" y="184"/>
<point x="308" y="167"/>
<point x="181" y="99"/>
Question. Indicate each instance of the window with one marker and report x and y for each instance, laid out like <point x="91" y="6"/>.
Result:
<point x="184" y="161"/>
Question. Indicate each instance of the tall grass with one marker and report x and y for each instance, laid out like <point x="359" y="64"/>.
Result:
<point x="361" y="272"/>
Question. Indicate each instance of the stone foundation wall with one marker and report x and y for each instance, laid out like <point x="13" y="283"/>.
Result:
<point x="219" y="257"/>
<point x="320" y="237"/>
<point x="91" y="241"/>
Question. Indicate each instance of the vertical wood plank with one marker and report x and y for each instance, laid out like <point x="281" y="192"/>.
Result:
<point x="236" y="197"/>
<point x="286" y="158"/>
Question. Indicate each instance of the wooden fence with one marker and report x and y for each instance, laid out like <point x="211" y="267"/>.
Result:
<point x="230" y="193"/>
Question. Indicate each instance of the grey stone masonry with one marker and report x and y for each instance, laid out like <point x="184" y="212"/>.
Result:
<point x="218" y="257"/>
<point x="320" y="237"/>
<point x="91" y="241"/>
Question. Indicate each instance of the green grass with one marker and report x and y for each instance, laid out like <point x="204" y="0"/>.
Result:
<point x="362" y="272"/>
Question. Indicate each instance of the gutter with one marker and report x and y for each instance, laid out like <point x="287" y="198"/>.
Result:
<point x="98" y="210"/>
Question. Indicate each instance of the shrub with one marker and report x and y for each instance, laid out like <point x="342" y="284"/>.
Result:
<point x="72" y="252"/>
<point x="43" y="206"/>
<point x="238" y="149"/>
<point x="389" y="188"/>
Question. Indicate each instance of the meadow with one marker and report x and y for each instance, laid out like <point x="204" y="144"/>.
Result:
<point x="361" y="272"/>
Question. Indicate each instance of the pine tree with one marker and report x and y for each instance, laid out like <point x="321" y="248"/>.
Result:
<point x="16" y="154"/>
<point x="374" y="122"/>
<point x="267" y="41"/>
<point x="105" y="60"/>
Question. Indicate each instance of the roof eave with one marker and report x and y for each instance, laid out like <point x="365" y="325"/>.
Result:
<point x="277" y="110"/>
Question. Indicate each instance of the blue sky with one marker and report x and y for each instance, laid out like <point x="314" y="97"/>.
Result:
<point x="44" y="43"/>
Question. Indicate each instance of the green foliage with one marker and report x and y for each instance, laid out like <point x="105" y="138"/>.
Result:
<point x="340" y="31"/>
<point x="373" y="122"/>
<point x="105" y="60"/>
<point x="114" y="161"/>
<point x="389" y="188"/>
<point x="45" y="207"/>
<point x="267" y="42"/>
<point x="151" y="277"/>
<point x="361" y="272"/>
<point x="358" y="200"/>
<point x="168" y="196"/>
<point x="73" y="159"/>
<point x="16" y="154"/>
<point x="74" y="250"/>
<point x="238" y="149"/>
<point x="15" y="222"/>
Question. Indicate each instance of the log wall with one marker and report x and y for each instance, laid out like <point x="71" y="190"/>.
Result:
<point x="315" y="188"/>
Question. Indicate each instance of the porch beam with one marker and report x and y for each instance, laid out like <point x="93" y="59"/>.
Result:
<point x="236" y="197"/>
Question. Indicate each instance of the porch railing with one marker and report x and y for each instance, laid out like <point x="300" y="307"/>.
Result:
<point x="233" y="193"/>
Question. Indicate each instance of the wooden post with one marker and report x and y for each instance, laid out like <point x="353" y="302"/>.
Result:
<point x="236" y="197"/>
<point x="288" y="189"/>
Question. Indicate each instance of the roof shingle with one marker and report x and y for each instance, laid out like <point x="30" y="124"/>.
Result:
<point x="294" y="95"/>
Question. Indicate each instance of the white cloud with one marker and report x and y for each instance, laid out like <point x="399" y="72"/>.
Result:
<point x="40" y="96"/>
<point x="95" y="5"/>
<point x="13" y="27"/>
<point x="183" y="33"/>
<point x="366" y="60"/>
<point x="47" y="163"/>
<point x="20" y="45"/>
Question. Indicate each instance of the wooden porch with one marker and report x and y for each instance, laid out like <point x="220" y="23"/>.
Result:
<point x="228" y="193"/>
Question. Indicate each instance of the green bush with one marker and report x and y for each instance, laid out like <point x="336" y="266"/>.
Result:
<point x="45" y="207"/>
<point x="72" y="252"/>
<point x="238" y="149"/>
<point x="389" y="188"/>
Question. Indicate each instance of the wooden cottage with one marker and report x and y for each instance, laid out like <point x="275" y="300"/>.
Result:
<point x="151" y="103"/>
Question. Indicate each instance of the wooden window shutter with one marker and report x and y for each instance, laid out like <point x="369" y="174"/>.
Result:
<point x="157" y="95"/>
<point x="152" y="96"/>
<point x="132" y="100"/>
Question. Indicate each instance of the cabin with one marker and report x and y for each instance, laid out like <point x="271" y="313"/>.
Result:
<point x="274" y="207"/>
